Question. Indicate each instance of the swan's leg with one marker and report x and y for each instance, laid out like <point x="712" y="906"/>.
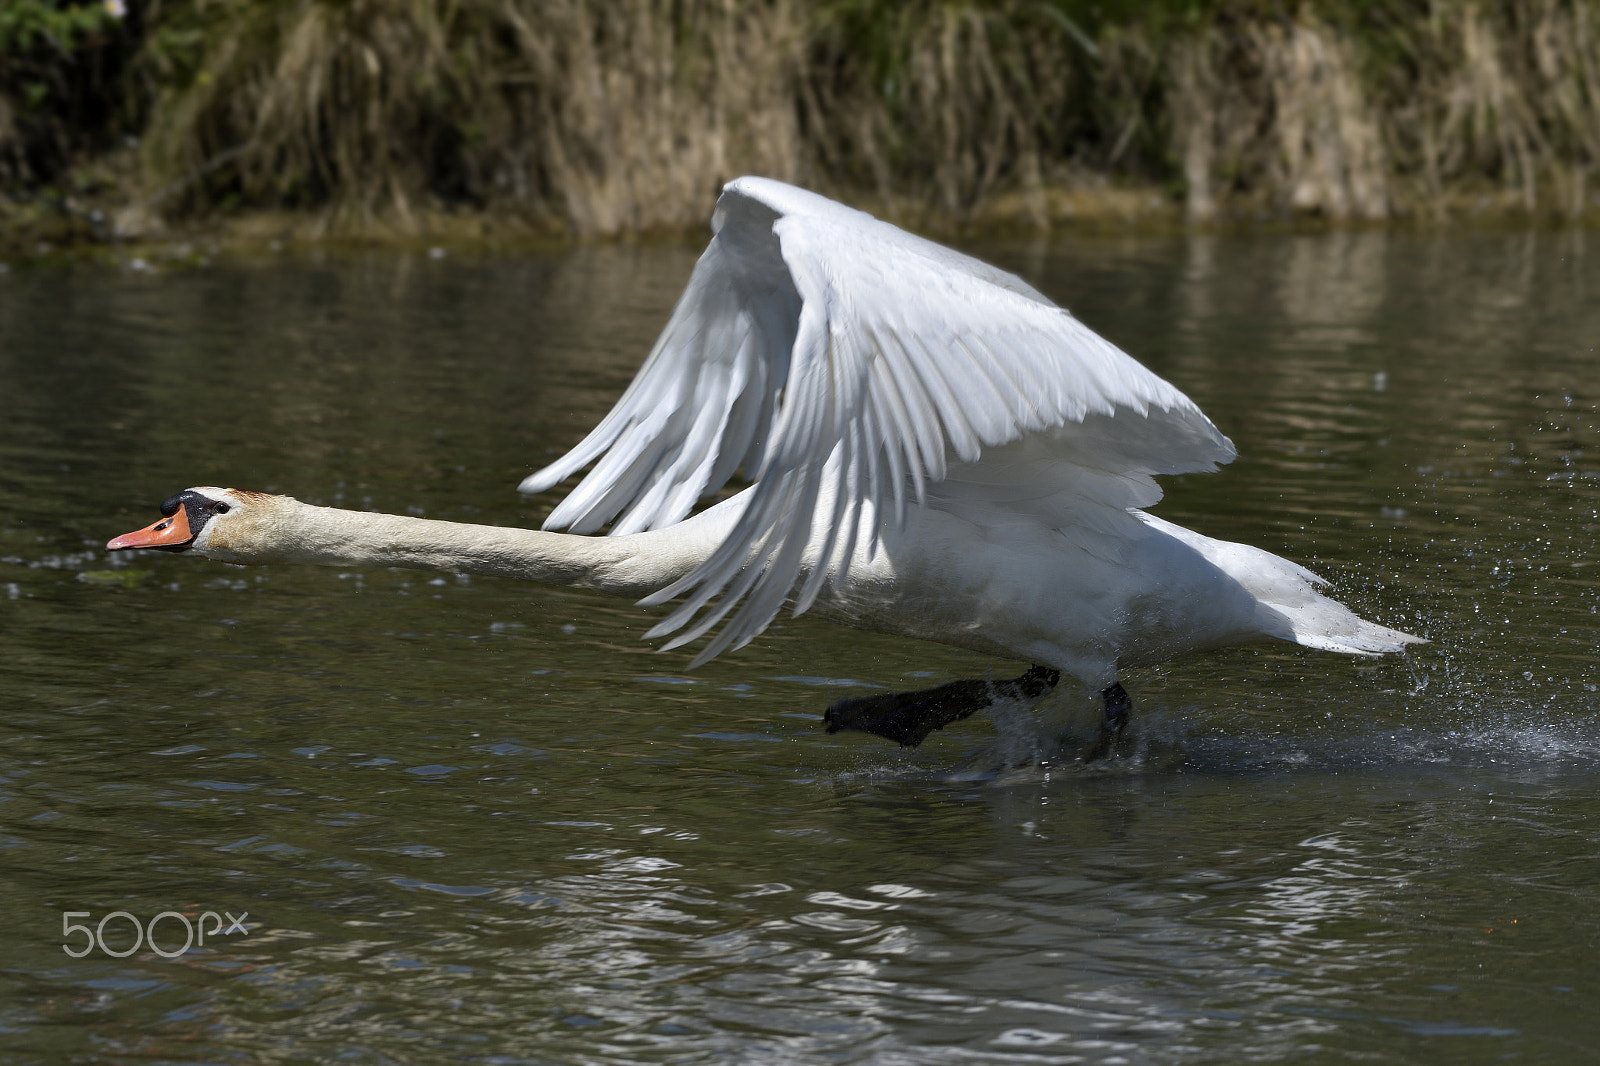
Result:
<point x="908" y="717"/>
<point x="1112" y="722"/>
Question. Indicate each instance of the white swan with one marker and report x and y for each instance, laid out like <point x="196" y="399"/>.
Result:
<point x="934" y="448"/>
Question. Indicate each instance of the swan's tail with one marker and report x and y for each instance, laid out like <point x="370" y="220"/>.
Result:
<point x="1331" y="626"/>
<point x="1287" y="603"/>
<point x="1289" y="606"/>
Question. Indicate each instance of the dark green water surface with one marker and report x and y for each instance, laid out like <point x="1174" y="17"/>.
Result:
<point x="482" y="821"/>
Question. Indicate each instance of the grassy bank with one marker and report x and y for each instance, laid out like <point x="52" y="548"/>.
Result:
<point x="599" y="117"/>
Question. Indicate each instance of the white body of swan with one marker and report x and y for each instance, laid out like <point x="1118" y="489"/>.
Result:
<point x="935" y="450"/>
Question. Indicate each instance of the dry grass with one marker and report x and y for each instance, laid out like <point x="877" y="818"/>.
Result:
<point x="303" y="104"/>
<point x="1465" y="100"/>
<point x="1278" y="108"/>
<point x="941" y="104"/>
<point x="613" y="116"/>
<point x="616" y="117"/>
<point x="631" y="116"/>
<point x="1330" y="156"/>
<point x="1506" y="95"/>
<point x="598" y="111"/>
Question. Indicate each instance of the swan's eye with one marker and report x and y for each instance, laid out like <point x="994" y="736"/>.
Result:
<point x="223" y="508"/>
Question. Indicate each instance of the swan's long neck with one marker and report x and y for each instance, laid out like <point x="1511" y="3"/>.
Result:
<point x="289" y="531"/>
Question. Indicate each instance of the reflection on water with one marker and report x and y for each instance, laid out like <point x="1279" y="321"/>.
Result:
<point x="481" y="821"/>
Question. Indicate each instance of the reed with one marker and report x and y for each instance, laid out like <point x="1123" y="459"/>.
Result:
<point x="612" y="116"/>
<point x="615" y="116"/>
<point x="1425" y="106"/>
<point x="1277" y="109"/>
<point x="1507" y="100"/>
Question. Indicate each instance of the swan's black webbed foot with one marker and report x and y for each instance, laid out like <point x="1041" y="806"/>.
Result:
<point x="1112" y="722"/>
<point x="908" y="717"/>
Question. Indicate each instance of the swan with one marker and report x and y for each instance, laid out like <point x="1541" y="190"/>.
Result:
<point x="933" y="449"/>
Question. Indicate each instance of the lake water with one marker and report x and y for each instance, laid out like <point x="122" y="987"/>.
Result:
<point x="482" y="821"/>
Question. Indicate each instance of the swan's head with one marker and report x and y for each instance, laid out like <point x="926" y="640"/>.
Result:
<point x="205" y="520"/>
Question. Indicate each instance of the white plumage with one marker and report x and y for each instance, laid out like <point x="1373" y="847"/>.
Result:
<point x="853" y="371"/>
<point x="935" y="450"/>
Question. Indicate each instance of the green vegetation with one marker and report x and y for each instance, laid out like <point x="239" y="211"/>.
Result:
<point x="605" y="116"/>
<point x="58" y="85"/>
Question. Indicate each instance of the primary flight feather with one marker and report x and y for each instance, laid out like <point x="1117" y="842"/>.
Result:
<point x="812" y="332"/>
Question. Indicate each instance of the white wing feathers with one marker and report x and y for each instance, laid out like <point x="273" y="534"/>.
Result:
<point x="815" y="344"/>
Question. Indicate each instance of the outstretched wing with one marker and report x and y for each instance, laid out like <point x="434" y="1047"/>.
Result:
<point x="817" y="344"/>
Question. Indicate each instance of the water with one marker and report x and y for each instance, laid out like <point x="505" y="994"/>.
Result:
<point x="481" y="821"/>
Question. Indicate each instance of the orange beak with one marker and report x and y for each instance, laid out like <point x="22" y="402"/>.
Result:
<point x="169" y="533"/>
